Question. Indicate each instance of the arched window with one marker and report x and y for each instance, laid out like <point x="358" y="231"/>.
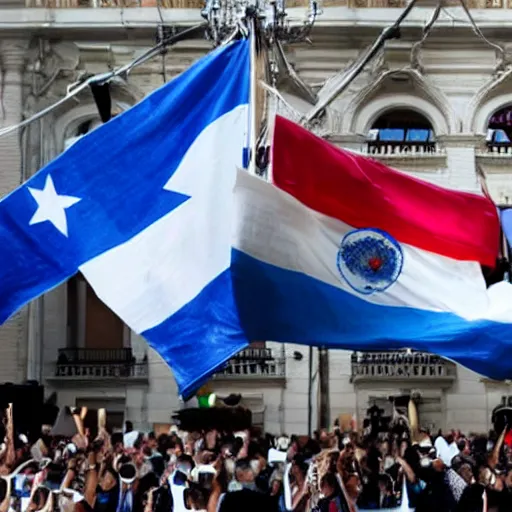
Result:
<point x="81" y="130"/>
<point x="401" y="131"/>
<point x="499" y="130"/>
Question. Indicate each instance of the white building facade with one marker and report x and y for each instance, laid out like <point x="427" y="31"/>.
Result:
<point x="423" y="107"/>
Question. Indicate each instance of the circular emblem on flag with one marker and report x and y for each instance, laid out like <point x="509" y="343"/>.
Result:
<point x="370" y="260"/>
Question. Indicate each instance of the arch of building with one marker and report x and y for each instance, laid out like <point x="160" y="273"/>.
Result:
<point x="67" y="124"/>
<point x="399" y="117"/>
<point x="384" y="95"/>
<point x="484" y="112"/>
<point x="491" y="97"/>
<point x="370" y="113"/>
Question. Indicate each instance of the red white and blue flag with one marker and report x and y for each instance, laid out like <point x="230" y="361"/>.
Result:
<point x="344" y="252"/>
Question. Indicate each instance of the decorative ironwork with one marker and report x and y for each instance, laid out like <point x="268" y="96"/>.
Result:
<point x="499" y="148"/>
<point x="254" y="363"/>
<point x="113" y="371"/>
<point x="94" y="355"/>
<point x="401" y="365"/>
<point x="254" y="354"/>
<point x="393" y="149"/>
<point x="105" y="364"/>
<point x="226" y="17"/>
<point x="401" y="148"/>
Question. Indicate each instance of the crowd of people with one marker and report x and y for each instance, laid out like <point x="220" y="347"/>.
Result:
<point x="213" y="471"/>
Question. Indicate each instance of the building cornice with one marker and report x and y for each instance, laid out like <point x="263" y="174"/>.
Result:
<point x="450" y="19"/>
<point x="349" y="138"/>
<point x="462" y="140"/>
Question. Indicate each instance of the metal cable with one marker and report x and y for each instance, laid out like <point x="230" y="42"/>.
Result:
<point x="426" y="31"/>
<point x="479" y="33"/>
<point x="388" y="33"/>
<point x="159" y="8"/>
<point x="102" y="78"/>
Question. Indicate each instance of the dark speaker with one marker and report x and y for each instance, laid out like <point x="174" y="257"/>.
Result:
<point x="27" y="400"/>
<point x="227" y="419"/>
<point x="501" y="418"/>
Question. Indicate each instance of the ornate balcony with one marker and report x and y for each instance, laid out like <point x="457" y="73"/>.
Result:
<point x="401" y="366"/>
<point x="253" y="364"/>
<point x="497" y="149"/>
<point x="78" y="364"/>
<point x="396" y="150"/>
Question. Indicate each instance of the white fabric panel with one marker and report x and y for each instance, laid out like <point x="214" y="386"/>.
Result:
<point x="285" y="233"/>
<point x="150" y="277"/>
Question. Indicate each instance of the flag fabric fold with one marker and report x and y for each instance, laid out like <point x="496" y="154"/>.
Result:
<point x="142" y="207"/>
<point x="344" y="252"/>
<point x="506" y="224"/>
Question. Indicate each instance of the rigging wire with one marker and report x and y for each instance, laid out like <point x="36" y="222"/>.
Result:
<point x="161" y="31"/>
<point x="103" y="78"/>
<point x="388" y="33"/>
<point x="426" y="31"/>
<point x="476" y="29"/>
<point x="479" y="33"/>
<point x="77" y="87"/>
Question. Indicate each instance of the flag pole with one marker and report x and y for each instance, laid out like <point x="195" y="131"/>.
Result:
<point x="253" y="137"/>
<point x="310" y="391"/>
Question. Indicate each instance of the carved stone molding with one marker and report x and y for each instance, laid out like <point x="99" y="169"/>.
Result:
<point x="349" y="138"/>
<point x="490" y="97"/>
<point x="13" y="54"/>
<point x="418" y="94"/>
<point x="466" y="140"/>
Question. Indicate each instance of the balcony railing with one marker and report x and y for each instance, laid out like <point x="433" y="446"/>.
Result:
<point x="95" y="355"/>
<point x="401" y="365"/>
<point x="254" y="363"/>
<point x="104" y="364"/>
<point x="252" y="354"/>
<point x="393" y="149"/>
<point x="502" y="149"/>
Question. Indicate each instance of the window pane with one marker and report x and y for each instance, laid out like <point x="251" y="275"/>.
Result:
<point x="500" y="136"/>
<point x="417" y="135"/>
<point x="391" y="134"/>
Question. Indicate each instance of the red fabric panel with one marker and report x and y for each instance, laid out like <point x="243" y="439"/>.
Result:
<point x="364" y="193"/>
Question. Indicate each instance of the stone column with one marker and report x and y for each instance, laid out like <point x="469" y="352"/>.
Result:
<point x="13" y="334"/>
<point x="461" y="159"/>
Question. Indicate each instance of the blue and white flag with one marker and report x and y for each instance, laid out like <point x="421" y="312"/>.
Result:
<point x="142" y="207"/>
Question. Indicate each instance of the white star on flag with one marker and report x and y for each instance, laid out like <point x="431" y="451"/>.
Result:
<point x="51" y="206"/>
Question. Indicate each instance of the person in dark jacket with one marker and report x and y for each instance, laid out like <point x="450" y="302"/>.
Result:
<point x="387" y="497"/>
<point x="437" y="494"/>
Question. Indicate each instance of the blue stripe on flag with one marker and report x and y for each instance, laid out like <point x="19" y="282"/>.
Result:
<point x="201" y="335"/>
<point x="506" y="224"/>
<point x="293" y="307"/>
